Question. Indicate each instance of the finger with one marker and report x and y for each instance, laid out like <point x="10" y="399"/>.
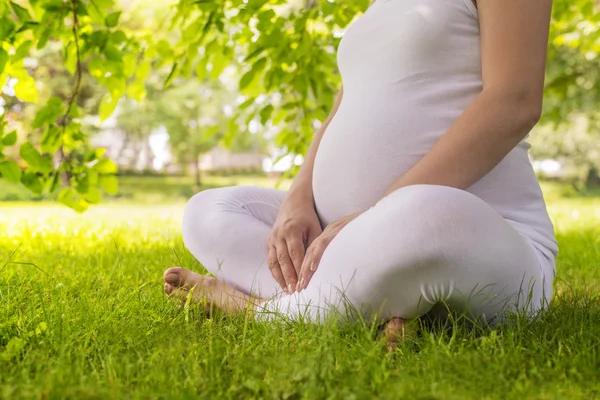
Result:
<point x="296" y="251"/>
<point x="275" y="268"/>
<point x="287" y="267"/>
<point x="312" y="261"/>
<point x="314" y="232"/>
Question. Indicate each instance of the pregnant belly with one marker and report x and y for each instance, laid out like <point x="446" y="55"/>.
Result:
<point x="363" y="151"/>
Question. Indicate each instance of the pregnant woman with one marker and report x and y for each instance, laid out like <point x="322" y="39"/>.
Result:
<point x="417" y="191"/>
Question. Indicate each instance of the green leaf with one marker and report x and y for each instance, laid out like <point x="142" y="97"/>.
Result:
<point x="67" y="196"/>
<point x="112" y="53"/>
<point x="43" y="38"/>
<point x="136" y="90"/>
<point x="94" y="154"/>
<point x="49" y="113"/>
<point x="3" y="59"/>
<point x="247" y="78"/>
<point x="171" y="76"/>
<point x="117" y="85"/>
<point x="218" y="63"/>
<point x="32" y="182"/>
<point x="143" y="70"/>
<point x="164" y="49"/>
<point x="10" y="138"/>
<point x="25" y="89"/>
<point x="118" y="37"/>
<point x="265" y="114"/>
<point x="105" y="166"/>
<point x="22" y="51"/>
<point x="21" y="12"/>
<point x="250" y="101"/>
<point x="10" y="171"/>
<point x="72" y="199"/>
<point x="31" y="155"/>
<point x="35" y="160"/>
<point x="109" y="183"/>
<point x="51" y="139"/>
<point x="82" y="183"/>
<point x="201" y="68"/>
<point x="93" y="195"/>
<point x="107" y="106"/>
<point x="254" y="54"/>
<point x="54" y="183"/>
<point x="27" y="26"/>
<point x="7" y="27"/>
<point x="112" y="19"/>
<point x="130" y="64"/>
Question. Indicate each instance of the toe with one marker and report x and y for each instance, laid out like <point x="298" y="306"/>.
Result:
<point x="173" y="270"/>
<point x="168" y="288"/>
<point x="176" y="276"/>
<point x="394" y="332"/>
<point x="180" y="277"/>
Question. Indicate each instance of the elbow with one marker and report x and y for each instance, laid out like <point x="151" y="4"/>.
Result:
<point x="526" y="106"/>
<point x="531" y="110"/>
<point x="522" y="106"/>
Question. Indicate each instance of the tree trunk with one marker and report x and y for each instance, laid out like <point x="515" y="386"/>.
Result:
<point x="149" y="155"/>
<point x="197" y="175"/>
<point x="119" y="156"/>
<point x="593" y="179"/>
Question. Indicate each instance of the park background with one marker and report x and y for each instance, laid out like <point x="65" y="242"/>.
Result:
<point x="114" y="113"/>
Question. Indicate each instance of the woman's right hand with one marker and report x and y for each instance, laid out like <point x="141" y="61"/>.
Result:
<point x="295" y="228"/>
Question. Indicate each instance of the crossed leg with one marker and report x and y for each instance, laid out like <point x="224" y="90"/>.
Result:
<point x="419" y="246"/>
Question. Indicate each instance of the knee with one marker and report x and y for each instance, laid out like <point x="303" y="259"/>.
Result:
<point x="201" y="220"/>
<point x="434" y="212"/>
<point x="423" y="199"/>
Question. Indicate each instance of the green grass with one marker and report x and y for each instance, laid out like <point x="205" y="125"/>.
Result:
<point x="83" y="316"/>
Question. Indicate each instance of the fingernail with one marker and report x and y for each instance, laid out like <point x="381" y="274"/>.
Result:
<point x="290" y="290"/>
<point x="299" y="285"/>
<point x="302" y="283"/>
<point x="312" y="266"/>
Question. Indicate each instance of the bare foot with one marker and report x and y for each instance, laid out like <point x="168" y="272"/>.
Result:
<point x="394" y="331"/>
<point x="206" y="290"/>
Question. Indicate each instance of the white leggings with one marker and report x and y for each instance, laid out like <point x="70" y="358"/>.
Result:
<point x="420" y="246"/>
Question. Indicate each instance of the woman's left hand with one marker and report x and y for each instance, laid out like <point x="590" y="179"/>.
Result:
<point x="317" y="248"/>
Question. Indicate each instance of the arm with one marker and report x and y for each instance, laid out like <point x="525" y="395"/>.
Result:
<point x="302" y="184"/>
<point x="514" y="36"/>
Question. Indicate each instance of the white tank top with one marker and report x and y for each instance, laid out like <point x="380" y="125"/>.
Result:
<point x="409" y="69"/>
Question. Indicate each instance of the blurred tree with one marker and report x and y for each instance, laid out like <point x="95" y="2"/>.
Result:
<point x="194" y="115"/>
<point x="137" y="120"/>
<point x="570" y="129"/>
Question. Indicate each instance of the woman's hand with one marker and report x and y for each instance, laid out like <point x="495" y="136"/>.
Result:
<point x="295" y="228"/>
<point x="317" y="248"/>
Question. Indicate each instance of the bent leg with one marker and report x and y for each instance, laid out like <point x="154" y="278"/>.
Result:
<point x="421" y="245"/>
<point x="226" y="229"/>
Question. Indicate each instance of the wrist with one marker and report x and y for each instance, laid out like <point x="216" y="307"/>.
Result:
<point x="303" y="192"/>
<point x="299" y="199"/>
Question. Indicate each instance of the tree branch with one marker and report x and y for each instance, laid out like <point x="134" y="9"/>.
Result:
<point x="78" y="70"/>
